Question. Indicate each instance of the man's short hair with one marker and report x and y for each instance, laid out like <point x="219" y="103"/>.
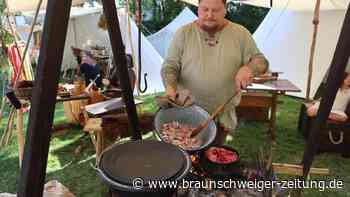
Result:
<point x="224" y="1"/>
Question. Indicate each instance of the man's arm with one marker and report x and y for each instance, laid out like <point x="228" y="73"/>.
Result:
<point x="171" y="67"/>
<point x="254" y="62"/>
<point x="252" y="57"/>
<point x="258" y="63"/>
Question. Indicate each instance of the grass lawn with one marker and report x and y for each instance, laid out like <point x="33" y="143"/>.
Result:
<point x="75" y="171"/>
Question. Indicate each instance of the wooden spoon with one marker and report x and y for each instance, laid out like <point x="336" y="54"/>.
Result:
<point x="205" y="124"/>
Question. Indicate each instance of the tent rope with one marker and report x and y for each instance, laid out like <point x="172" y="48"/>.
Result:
<point x="316" y="22"/>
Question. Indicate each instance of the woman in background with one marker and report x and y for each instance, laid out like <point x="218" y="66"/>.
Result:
<point x="340" y="103"/>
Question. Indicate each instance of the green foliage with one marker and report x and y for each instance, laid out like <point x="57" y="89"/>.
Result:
<point x="5" y="38"/>
<point x="157" y="13"/>
<point x="248" y="16"/>
<point x="163" y="13"/>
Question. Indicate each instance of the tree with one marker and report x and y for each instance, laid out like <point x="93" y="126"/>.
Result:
<point x="5" y="37"/>
<point x="157" y="13"/>
<point x="248" y="16"/>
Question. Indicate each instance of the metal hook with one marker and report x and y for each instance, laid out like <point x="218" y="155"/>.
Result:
<point x="139" y="50"/>
<point x="145" y="81"/>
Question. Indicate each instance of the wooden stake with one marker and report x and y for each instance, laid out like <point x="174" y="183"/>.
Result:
<point x="20" y="135"/>
<point x="5" y="137"/>
<point x="31" y="182"/>
<point x="2" y="107"/>
<point x="10" y="128"/>
<point x="315" y="21"/>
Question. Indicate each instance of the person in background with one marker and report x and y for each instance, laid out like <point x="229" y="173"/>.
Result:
<point x="214" y="59"/>
<point x="90" y="69"/>
<point x="340" y="103"/>
<point x="114" y="82"/>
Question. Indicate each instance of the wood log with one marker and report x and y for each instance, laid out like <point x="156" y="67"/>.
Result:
<point x="292" y="169"/>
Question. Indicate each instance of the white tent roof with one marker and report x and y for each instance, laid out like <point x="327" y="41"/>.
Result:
<point x="83" y="31"/>
<point x="290" y="4"/>
<point x="151" y="60"/>
<point x="285" y="38"/>
<point x="300" y="4"/>
<point x="162" y="39"/>
<point x="30" y="5"/>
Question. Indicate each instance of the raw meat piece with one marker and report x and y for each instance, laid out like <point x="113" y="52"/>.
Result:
<point x="221" y="155"/>
<point x="180" y="135"/>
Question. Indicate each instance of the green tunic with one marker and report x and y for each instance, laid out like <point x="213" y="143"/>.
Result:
<point x="207" y="65"/>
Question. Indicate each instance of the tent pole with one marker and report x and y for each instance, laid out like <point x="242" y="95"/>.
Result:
<point x="316" y="22"/>
<point x="338" y="65"/>
<point x="119" y="56"/>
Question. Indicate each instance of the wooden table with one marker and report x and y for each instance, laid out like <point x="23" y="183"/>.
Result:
<point x="20" y="122"/>
<point x="274" y="88"/>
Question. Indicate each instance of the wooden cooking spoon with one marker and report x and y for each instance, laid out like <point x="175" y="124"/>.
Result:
<point x="205" y="124"/>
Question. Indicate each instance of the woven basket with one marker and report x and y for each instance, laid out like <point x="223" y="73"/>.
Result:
<point x="23" y="92"/>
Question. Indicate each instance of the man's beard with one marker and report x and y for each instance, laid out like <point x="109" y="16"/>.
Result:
<point x="210" y="29"/>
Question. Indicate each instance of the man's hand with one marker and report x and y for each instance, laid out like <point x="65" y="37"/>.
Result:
<point x="243" y="78"/>
<point x="106" y="82"/>
<point x="170" y="92"/>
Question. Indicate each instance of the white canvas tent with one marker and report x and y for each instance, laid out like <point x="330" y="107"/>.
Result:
<point x="285" y="38"/>
<point x="161" y="40"/>
<point x="290" y="4"/>
<point x="83" y="31"/>
<point x="29" y="5"/>
<point x="298" y="5"/>
<point x="151" y="60"/>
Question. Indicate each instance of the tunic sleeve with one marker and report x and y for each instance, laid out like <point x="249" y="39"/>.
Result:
<point x="250" y="50"/>
<point x="172" y="64"/>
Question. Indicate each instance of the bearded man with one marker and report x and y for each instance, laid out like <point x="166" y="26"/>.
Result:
<point x="214" y="59"/>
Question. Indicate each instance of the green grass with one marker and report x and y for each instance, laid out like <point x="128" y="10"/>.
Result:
<point x="75" y="171"/>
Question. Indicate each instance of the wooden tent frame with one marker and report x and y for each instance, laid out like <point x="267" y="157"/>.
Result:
<point x="338" y="66"/>
<point x="31" y="182"/>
